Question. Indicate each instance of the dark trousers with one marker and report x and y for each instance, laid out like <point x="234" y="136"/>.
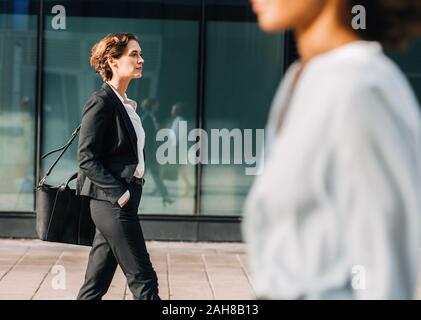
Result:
<point x="119" y="240"/>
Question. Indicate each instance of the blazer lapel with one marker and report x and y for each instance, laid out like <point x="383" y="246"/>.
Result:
<point x="126" y="119"/>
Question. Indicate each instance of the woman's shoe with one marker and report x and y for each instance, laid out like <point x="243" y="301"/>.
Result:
<point x="167" y="200"/>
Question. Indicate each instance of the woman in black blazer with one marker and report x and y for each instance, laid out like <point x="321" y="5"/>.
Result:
<point x="112" y="165"/>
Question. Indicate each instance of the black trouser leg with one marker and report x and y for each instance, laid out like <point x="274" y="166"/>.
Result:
<point x="121" y="229"/>
<point x="100" y="271"/>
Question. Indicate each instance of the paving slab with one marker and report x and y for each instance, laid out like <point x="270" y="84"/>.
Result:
<point x="36" y="270"/>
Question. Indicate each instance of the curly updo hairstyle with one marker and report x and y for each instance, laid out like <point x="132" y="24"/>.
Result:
<point x="393" y="23"/>
<point x="113" y="45"/>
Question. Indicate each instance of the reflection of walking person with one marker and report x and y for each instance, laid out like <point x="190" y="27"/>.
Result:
<point x="150" y="125"/>
<point x="111" y="160"/>
<point x="176" y="118"/>
<point x="340" y="191"/>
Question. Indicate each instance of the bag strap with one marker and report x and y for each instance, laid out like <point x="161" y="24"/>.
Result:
<point x="63" y="150"/>
<point x="73" y="177"/>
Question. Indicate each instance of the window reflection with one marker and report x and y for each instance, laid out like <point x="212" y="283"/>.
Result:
<point x="18" y="41"/>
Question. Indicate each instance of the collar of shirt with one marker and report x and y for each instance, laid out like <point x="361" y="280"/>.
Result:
<point x="124" y="100"/>
<point x="354" y="51"/>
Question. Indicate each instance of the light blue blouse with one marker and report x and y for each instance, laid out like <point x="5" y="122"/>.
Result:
<point x="336" y="212"/>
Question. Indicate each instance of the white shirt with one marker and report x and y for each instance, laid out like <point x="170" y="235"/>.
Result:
<point x="336" y="211"/>
<point x="130" y="106"/>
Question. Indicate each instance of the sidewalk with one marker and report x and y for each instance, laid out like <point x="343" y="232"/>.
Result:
<point x="33" y="269"/>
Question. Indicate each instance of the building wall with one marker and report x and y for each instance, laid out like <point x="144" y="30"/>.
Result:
<point x="209" y="55"/>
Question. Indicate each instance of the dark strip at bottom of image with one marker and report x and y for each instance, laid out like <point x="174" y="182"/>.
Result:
<point x="205" y="309"/>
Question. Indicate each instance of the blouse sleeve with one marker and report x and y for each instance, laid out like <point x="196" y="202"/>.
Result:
<point x="378" y="190"/>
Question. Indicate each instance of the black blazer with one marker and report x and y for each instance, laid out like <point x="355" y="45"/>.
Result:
<point x="107" y="149"/>
<point x="151" y="145"/>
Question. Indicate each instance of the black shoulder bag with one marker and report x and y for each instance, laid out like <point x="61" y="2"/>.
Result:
<point x="63" y="216"/>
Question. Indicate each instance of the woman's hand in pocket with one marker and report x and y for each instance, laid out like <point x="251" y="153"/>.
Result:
<point x="124" y="199"/>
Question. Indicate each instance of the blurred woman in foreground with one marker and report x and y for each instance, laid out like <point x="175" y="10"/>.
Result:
<point x="336" y="212"/>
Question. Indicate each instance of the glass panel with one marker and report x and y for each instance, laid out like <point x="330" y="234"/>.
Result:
<point x="18" y="42"/>
<point x="170" y="49"/>
<point x="243" y="68"/>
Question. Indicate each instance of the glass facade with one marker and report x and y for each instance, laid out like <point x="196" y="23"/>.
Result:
<point x="207" y="56"/>
<point x="243" y="70"/>
<point x="18" y="65"/>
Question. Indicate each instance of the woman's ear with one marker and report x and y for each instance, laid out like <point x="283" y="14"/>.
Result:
<point x="111" y="61"/>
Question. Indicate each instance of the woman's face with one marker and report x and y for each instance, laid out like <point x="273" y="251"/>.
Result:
<point x="279" y="15"/>
<point x="130" y="63"/>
